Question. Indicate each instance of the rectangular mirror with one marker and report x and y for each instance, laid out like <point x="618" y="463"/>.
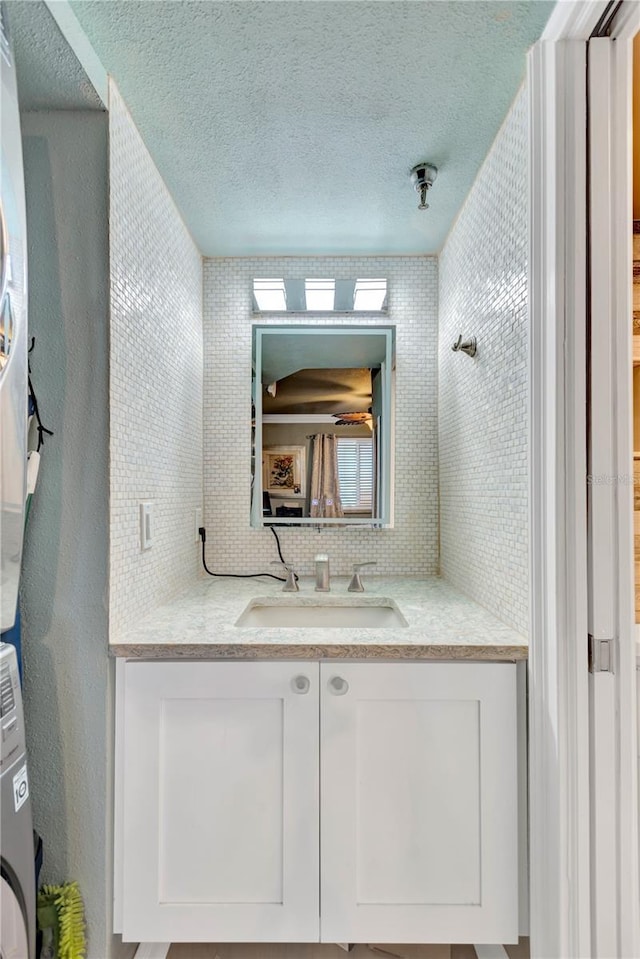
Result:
<point x="277" y="295"/>
<point x="322" y="425"/>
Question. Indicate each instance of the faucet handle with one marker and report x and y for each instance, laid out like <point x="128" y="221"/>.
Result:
<point x="355" y="586"/>
<point x="291" y="584"/>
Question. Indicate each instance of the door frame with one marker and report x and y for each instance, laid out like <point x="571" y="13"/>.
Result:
<point x="562" y="865"/>
<point x="614" y="813"/>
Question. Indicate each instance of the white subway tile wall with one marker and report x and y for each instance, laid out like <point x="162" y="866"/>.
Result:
<point x="232" y="546"/>
<point x="156" y="380"/>
<point x="483" y="417"/>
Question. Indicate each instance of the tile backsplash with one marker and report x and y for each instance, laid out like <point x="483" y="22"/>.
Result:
<point x="483" y="413"/>
<point x="460" y="504"/>
<point x="155" y="380"/>
<point x="411" y="547"/>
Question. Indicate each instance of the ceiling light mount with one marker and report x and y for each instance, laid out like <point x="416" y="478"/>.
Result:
<point x="423" y="177"/>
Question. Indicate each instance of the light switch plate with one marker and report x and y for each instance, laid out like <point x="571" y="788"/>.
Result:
<point x="146" y="529"/>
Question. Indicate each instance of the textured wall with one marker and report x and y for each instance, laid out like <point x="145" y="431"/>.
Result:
<point x="156" y="379"/>
<point x="68" y="675"/>
<point x="412" y="546"/>
<point x="483" y="401"/>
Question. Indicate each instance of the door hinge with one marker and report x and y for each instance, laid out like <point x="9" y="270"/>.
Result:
<point x="601" y="655"/>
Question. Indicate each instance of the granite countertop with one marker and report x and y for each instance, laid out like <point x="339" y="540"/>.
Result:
<point x="441" y="624"/>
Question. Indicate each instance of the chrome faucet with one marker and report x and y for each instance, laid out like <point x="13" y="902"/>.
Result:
<point x="355" y="586"/>
<point x="322" y="573"/>
<point x="291" y="583"/>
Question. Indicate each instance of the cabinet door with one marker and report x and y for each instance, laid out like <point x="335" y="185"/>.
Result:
<point x="220" y="803"/>
<point x="418" y="803"/>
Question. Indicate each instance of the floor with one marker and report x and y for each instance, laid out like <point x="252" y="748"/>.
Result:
<point x="187" y="950"/>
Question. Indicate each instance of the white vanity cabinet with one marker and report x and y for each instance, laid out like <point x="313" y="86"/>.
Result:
<point x="300" y="802"/>
<point x="218" y="807"/>
<point x="419" y="803"/>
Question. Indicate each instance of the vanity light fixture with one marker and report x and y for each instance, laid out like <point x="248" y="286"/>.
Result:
<point x="270" y="294"/>
<point x="423" y="177"/>
<point x="320" y="295"/>
<point x="370" y="295"/>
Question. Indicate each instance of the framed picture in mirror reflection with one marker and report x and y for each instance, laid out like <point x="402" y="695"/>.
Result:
<point x="284" y="470"/>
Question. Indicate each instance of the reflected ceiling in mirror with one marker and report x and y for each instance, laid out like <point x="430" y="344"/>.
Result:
<point x="318" y="295"/>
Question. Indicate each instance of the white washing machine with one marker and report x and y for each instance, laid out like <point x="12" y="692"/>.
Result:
<point x="17" y="880"/>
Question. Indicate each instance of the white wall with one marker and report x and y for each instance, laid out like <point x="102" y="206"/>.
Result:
<point x="412" y="546"/>
<point x="156" y="380"/>
<point x="149" y="368"/>
<point x="483" y="401"/>
<point x="68" y="675"/>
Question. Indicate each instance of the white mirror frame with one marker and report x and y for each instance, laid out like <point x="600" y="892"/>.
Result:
<point x="386" y="445"/>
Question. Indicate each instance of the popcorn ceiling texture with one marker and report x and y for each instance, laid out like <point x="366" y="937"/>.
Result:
<point x="50" y="76"/>
<point x="238" y="101"/>
<point x="156" y="380"/>
<point x="232" y="546"/>
<point x="483" y="402"/>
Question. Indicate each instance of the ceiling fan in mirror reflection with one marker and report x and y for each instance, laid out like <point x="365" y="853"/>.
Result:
<point x="352" y="419"/>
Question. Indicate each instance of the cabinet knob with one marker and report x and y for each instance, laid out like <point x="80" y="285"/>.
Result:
<point x="338" y="686"/>
<point x="301" y="684"/>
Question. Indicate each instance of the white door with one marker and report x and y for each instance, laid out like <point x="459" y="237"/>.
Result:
<point x="615" y="928"/>
<point x="220" y="805"/>
<point x="419" y="803"/>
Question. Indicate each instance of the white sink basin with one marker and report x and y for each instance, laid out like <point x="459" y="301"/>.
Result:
<point x="382" y="613"/>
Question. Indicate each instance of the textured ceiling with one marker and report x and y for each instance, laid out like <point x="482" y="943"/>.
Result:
<point x="321" y="391"/>
<point x="291" y="127"/>
<point x="49" y="75"/>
